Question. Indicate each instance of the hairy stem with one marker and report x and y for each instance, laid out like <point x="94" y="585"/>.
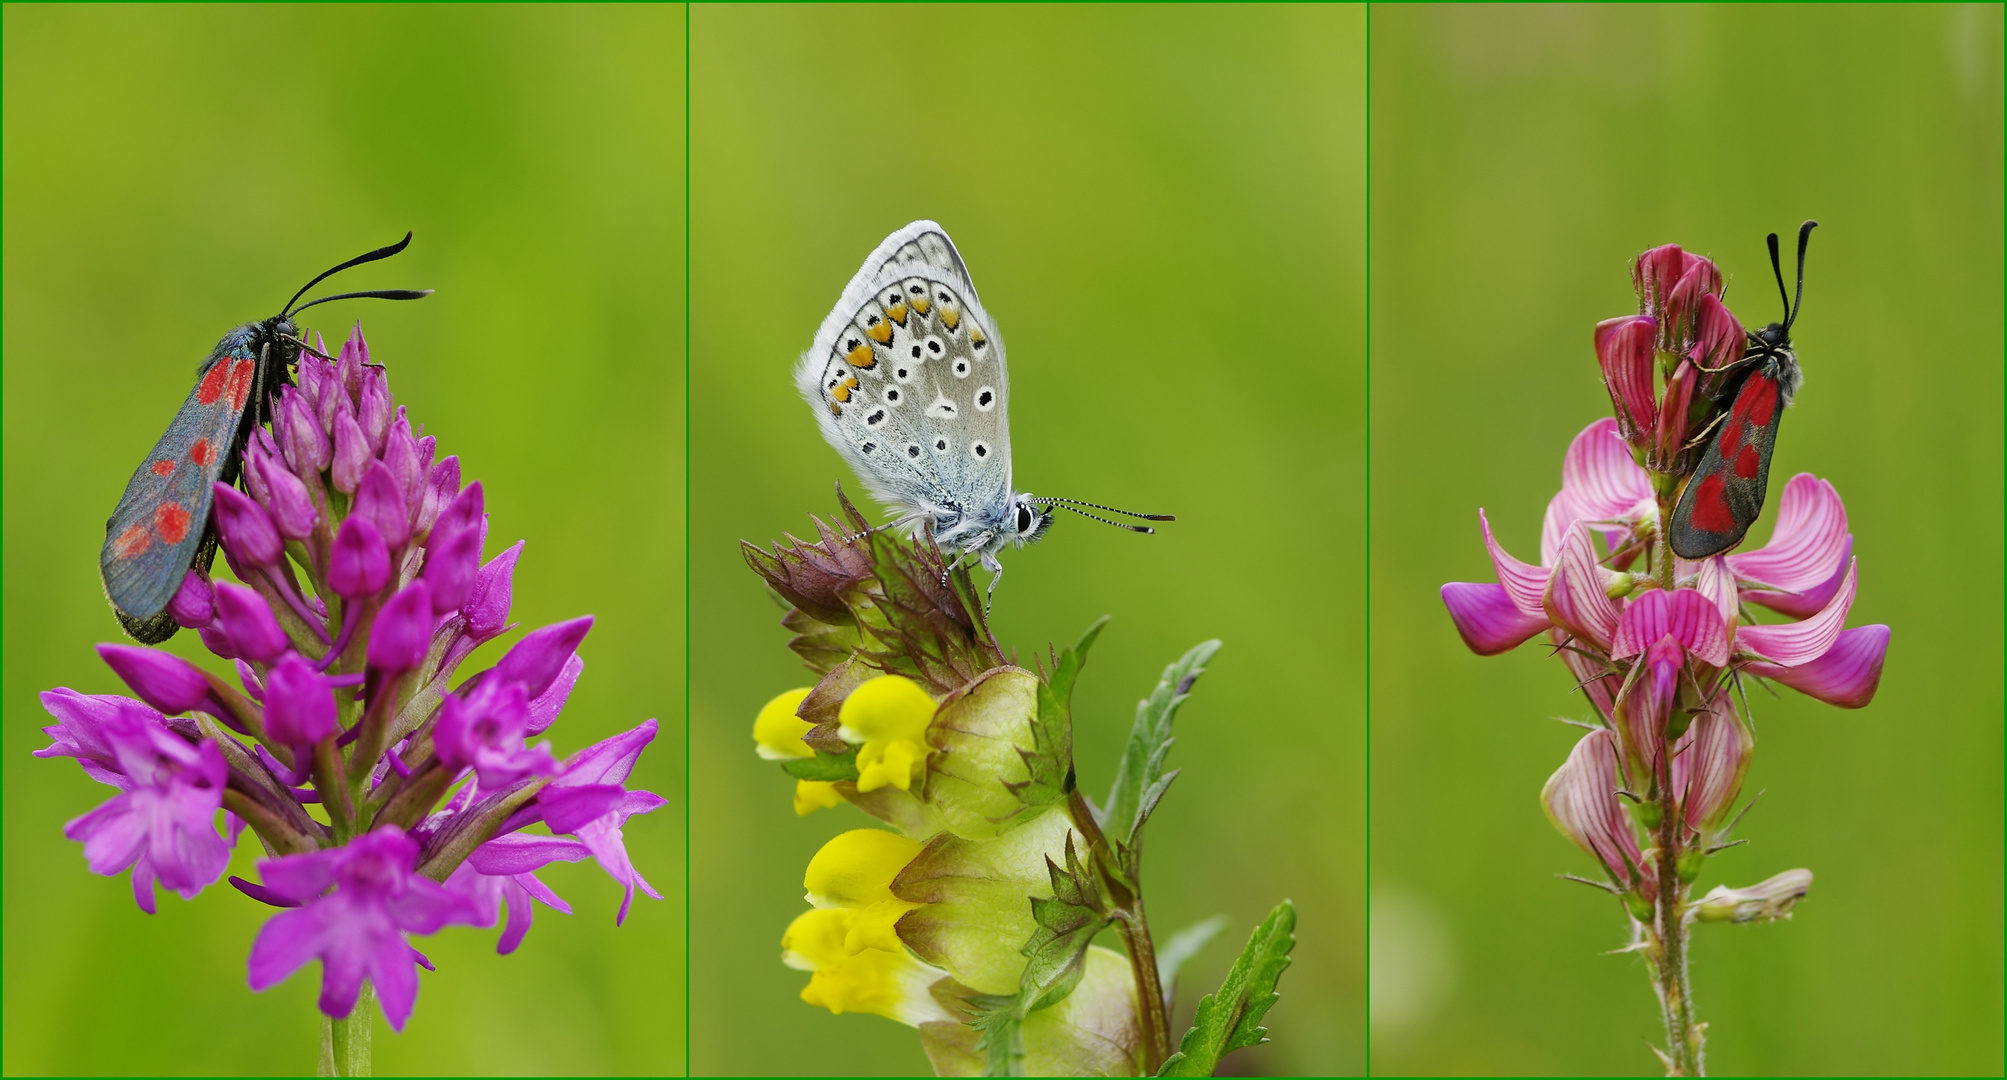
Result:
<point x="1134" y="927"/>
<point x="1683" y="1036"/>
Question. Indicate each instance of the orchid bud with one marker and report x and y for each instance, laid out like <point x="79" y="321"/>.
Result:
<point x="193" y="604"/>
<point x="302" y="435"/>
<point x="452" y="562"/>
<point x="162" y="680"/>
<point x="487" y="606"/>
<point x="299" y="704"/>
<point x="245" y="529"/>
<point x="373" y="411"/>
<point x="351" y="452"/>
<point x="291" y="506"/>
<point x="464" y="512"/>
<point x="403" y="630"/>
<point x="378" y="499"/>
<point x="254" y="632"/>
<point x="359" y="564"/>
<point x="400" y="456"/>
<point x="442" y="484"/>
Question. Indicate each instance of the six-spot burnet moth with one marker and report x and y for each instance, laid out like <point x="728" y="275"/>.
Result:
<point x="1725" y="493"/>
<point x="161" y="527"/>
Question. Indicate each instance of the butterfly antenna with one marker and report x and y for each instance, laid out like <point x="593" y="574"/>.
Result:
<point x="1073" y="504"/>
<point x="1778" y="269"/>
<point x="374" y="294"/>
<point x="379" y="253"/>
<point x="1804" y="237"/>
<point x="1106" y="521"/>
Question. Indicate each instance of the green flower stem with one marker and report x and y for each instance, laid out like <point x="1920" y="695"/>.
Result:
<point x="1683" y="1036"/>
<point x="1135" y="930"/>
<point x="345" y="1040"/>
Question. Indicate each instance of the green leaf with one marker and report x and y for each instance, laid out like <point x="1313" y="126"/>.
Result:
<point x="1140" y="781"/>
<point x="1182" y="946"/>
<point x="1067" y="923"/>
<point x="1231" y="1019"/>
<point x="823" y="766"/>
<point x="1050" y="761"/>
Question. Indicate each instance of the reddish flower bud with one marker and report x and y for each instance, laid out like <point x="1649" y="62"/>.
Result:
<point x="1624" y="349"/>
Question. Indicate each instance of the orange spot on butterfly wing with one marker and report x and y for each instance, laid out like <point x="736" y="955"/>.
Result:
<point x="861" y="357"/>
<point x="880" y="331"/>
<point x="202" y="453"/>
<point x="241" y="373"/>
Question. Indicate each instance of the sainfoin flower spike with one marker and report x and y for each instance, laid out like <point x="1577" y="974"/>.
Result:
<point x="1666" y="649"/>
<point x="396" y="793"/>
<point x="968" y="906"/>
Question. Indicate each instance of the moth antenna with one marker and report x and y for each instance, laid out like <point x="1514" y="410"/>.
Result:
<point x="374" y="294"/>
<point x="1804" y="237"/>
<point x="379" y="253"/>
<point x="1074" y="503"/>
<point x="1778" y="269"/>
<point x="1118" y="524"/>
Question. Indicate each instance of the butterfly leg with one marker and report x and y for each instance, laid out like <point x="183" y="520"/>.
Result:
<point x="991" y="564"/>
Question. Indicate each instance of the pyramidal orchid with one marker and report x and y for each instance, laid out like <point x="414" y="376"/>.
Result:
<point x="393" y="794"/>
<point x="1663" y="648"/>
<point x="968" y="906"/>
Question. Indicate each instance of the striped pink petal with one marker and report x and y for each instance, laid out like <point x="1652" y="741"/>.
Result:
<point x="1578" y="597"/>
<point x="1581" y="800"/>
<point x="1792" y="644"/>
<point x="1599" y="482"/>
<point x="1624" y="349"/>
<point x="1709" y="764"/>
<point x="1487" y="619"/>
<point x="1846" y="675"/>
<point x="1523" y="582"/>
<point x="1807" y="551"/>
<point x="1685" y="615"/>
<point x="1714" y="581"/>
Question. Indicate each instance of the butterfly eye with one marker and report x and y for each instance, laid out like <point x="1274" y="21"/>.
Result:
<point x="1024" y="518"/>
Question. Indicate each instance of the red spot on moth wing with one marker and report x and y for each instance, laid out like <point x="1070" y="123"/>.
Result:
<point x="164" y="468"/>
<point x="240" y="381"/>
<point x="171" y="522"/>
<point x="131" y="542"/>
<point x="1731" y="437"/>
<point x="202" y="453"/>
<point x="1760" y="396"/>
<point x="1746" y="463"/>
<point x="211" y="387"/>
<point x="1710" y="505"/>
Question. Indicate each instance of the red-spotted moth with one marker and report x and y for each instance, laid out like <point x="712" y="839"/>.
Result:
<point x="1725" y="493"/>
<point x="161" y="527"/>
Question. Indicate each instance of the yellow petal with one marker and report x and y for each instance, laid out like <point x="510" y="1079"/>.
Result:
<point x="887" y="707"/>
<point x="813" y="795"/>
<point x="778" y="730"/>
<point x="855" y="869"/>
<point x="873" y="927"/>
<point x="814" y="940"/>
<point x="888" y="761"/>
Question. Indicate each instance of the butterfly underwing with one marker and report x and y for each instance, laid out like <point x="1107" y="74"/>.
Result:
<point x="161" y="527"/>
<point x="908" y="382"/>
<point x="1725" y="493"/>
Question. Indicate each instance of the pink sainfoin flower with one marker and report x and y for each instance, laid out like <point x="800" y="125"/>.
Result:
<point x="363" y="592"/>
<point x="1660" y="645"/>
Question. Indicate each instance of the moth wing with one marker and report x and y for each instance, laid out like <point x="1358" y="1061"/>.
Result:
<point x="908" y="380"/>
<point x="160" y="526"/>
<point x="1725" y="495"/>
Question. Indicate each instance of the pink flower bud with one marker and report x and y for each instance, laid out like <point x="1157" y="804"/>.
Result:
<point x="301" y="435"/>
<point x="291" y="506"/>
<point x="1672" y="429"/>
<point x="537" y="660"/>
<point x="254" y="633"/>
<point x="377" y="499"/>
<point x="299" y="704"/>
<point x="1708" y="767"/>
<point x="403" y="630"/>
<point x="400" y="456"/>
<point x="162" y="680"/>
<point x="254" y="473"/>
<point x="359" y="565"/>
<point x="246" y="530"/>
<point x="442" y="484"/>
<point x="1581" y="800"/>
<point x="451" y="564"/>
<point x="193" y="604"/>
<point x="1624" y="348"/>
<point x="1654" y="274"/>
<point x="464" y="512"/>
<point x="373" y="411"/>
<point x="351" y="452"/>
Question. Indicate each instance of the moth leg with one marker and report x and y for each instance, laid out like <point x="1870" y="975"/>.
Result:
<point x="996" y="568"/>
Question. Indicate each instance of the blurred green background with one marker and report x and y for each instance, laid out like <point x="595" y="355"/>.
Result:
<point x="1520" y="157"/>
<point x="1163" y="207"/>
<point x="173" y="171"/>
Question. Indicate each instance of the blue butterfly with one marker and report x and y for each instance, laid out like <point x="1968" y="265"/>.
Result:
<point x="908" y="383"/>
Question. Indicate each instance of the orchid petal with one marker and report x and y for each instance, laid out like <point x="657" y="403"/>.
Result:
<point x="1792" y="644"/>
<point x="1685" y="615"/>
<point x="1578" y="598"/>
<point x="1487" y="619"/>
<point x="1808" y="548"/>
<point x="1523" y="582"/>
<point x="1846" y="675"/>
